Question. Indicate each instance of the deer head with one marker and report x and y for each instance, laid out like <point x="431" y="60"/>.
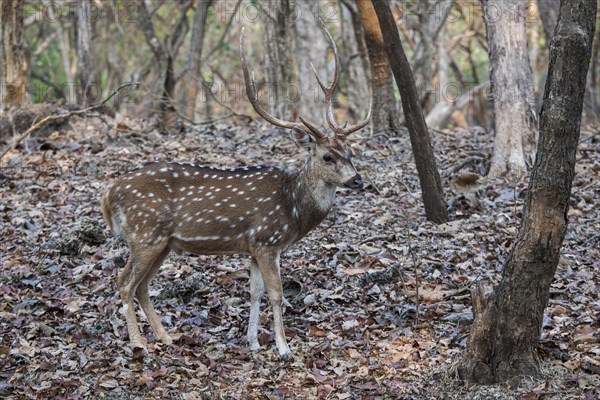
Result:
<point x="329" y="154"/>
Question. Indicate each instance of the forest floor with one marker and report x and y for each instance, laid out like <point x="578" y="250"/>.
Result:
<point x="355" y="331"/>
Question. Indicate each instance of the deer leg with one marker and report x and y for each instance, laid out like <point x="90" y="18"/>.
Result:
<point x="128" y="281"/>
<point x="146" y="304"/>
<point x="269" y="268"/>
<point x="257" y="289"/>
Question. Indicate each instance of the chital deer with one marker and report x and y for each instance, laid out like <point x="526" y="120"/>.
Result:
<point x="260" y="211"/>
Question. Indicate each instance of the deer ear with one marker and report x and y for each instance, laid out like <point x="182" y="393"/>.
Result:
<point x="302" y="138"/>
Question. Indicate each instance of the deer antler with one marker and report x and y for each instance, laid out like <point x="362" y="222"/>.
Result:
<point x="330" y="91"/>
<point x="253" y="97"/>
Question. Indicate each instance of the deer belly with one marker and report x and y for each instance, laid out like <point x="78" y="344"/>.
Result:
<point x="207" y="244"/>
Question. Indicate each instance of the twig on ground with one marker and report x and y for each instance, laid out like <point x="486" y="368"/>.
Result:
<point x="49" y="118"/>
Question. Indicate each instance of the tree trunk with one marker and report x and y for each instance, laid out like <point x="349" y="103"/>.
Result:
<point x="507" y="326"/>
<point x="14" y="62"/>
<point x="164" y="54"/>
<point x="512" y="87"/>
<point x="431" y="185"/>
<point x="385" y="117"/>
<point x="432" y="15"/>
<point x="356" y="61"/>
<point x="90" y="90"/>
<point x="548" y="10"/>
<point x="65" y="48"/>
<point x="311" y="46"/>
<point x="195" y="58"/>
<point x="282" y="87"/>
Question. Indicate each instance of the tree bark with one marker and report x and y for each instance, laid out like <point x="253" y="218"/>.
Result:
<point x="512" y="87"/>
<point x="431" y="184"/>
<point x="282" y="86"/>
<point x="548" y="10"/>
<point x="195" y="58"/>
<point x="86" y="67"/>
<point x="14" y="63"/>
<point x="311" y="46"/>
<point x="507" y="326"/>
<point x="385" y="117"/>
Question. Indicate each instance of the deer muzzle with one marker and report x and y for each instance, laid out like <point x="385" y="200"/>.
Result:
<point x="355" y="182"/>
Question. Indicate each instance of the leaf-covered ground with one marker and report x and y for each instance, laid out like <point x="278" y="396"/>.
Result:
<point x="356" y="332"/>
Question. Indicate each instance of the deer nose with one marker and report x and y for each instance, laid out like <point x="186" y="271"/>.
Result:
<point x="355" y="182"/>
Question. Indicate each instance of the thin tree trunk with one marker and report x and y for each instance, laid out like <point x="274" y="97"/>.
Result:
<point x="311" y="46"/>
<point x="85" y="71"/>
<point x="195" y="58"/>
<point x="385" y="117"/>
<point x="356" y="61"/>
<point x="507" y="326"/>
<point x="14" y="63"/>
<point x="65" y="47"/>
<point x="282" y="87"/>
<point x="512" y="87"/>
<point x="429" y="177"/>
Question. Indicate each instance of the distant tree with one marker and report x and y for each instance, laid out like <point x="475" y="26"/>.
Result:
<point x="14" y="63"/>
<point x="512" y="87"/>
<point x="385" y="117"/>
<point x="311" y="47"/>
<point x="507" y="326"/>
<point x="355" y="60"/>
<point x="85" y="58"/>
<point x="195" y="58"/>
<point x="279" y="61"/>
<point x="164" y="53"/>
<point x="429" y="177"/>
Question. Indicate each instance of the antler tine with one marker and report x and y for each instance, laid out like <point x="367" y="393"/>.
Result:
<point x="253" y="94"/>
<point x="329" y="92"/>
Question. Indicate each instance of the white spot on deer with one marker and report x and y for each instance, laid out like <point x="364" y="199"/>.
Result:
<point x="150" y="194"/>
<point x="196" y="173"/>
<point x="277" y="207"/>
<point x="139" y="214"/>
<point x="232" y="205"/>
<point x="186" y="173"/>
<point x="208" y="193"/>
<point x="217" y="189"/>
<point x="237" y="175"/>
<point x="285" y="227"/>
<point x="164" y="169"/>
<point x="241" y="218"/>
<point x="230" y="177"/>
<point x="241" y="192"/>
<point x="214" y="176"/>
<point x="199" y="220"/>
<point x="175" y="175"/>
<point x="138" y="174"/>
<point x="218" y="204"/>
<point x="205" y="176"/>
<point x="190" y="193"/>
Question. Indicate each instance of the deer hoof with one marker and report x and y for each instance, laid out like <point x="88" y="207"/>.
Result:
<point x="166" y="339"/>
<point x="254" y="346"/>
<point x="287" y="356"/>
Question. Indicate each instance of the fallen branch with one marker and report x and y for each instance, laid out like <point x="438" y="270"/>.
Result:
<point x="44" y="121"/>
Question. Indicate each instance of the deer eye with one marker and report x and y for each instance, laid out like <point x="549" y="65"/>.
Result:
<point x="327" y="158"/>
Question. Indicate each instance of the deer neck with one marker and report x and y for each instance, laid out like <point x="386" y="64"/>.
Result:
<point x="312" y="197"/>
